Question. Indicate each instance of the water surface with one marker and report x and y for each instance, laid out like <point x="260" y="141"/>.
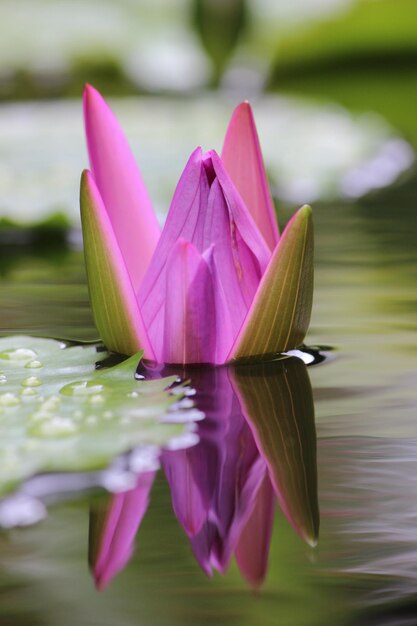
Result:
<point x="363" y="570"/>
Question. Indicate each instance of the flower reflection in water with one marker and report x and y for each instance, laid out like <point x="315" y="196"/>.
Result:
<point x="257" y="446"/>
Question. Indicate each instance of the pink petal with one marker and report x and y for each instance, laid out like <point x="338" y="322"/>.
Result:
<point x="180" y="222"/>
<point x="253" y="546"/>
<point x="121" y="186"/>
<point x="243" y="161"/>
<point x="238" y="470"/>
<point x="120" y="528"/>
<point x="190" y="319"/>
<point x="189" y="493"/>
<point x="207" y="210"/>
<point x="243" y="227"/>
<point x="115" y="308"/>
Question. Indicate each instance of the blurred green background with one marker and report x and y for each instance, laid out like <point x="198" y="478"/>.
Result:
<point x="333" y="84"/>
<point x="51" y="47"/>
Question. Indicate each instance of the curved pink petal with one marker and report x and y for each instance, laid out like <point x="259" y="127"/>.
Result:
<point x="249" y="250"/>
<point x="242" y="158"/>
<point x="121" y="186"/>
<point x="190" y="497"/>
<point x="190" y="319"/>
<point x="252" y="549"/>
<point x="207" y="211"/>
<point x="120" y="526"/>
<point x="180" y="222"/>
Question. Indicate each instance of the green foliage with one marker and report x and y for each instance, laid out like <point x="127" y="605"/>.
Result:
<point x="365" y="59"/>
<point x="58" y="413"/>
<point x="373" y="32"/>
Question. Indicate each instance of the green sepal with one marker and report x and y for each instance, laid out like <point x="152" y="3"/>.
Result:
<point x="279" y="316"/>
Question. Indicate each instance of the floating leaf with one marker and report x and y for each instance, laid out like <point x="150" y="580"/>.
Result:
<point x="58" y="413"/>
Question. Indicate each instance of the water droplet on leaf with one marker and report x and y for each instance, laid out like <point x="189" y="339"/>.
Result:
<point x="34" y="364"/>
<point x="31" y="381"/>
<point x="56" y="427"/>
<point x="9" y="399"/>
<point x="29" y="392"/>
<point x="82" y="388"/>
<point x="19" y="355"/>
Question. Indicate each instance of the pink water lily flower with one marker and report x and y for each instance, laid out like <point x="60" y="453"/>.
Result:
<point x="218" y="283"/>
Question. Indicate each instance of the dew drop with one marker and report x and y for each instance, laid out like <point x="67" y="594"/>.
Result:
<point x="40" y="416"/>
<point x="29" y="392"/>
<point x="57" y="427"/>
<point x="82" y="388"/>
<point x="51" y="404"/>
<point x="31" y="381"/>
<point x="9" y="399"/>
<point x="18" y="355"/>
<point x="34" y="364"/>
<point x="96" y="399"/>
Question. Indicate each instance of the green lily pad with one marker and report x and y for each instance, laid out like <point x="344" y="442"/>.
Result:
<point x="59" y="413"/>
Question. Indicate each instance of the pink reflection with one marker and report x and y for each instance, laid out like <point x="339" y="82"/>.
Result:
<point x="256" y="447"/>
<point x="113" y="530"/>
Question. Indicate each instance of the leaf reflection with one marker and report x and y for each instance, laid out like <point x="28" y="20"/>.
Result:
<point x="257" y="444"/>
<point x="277" y="401"/>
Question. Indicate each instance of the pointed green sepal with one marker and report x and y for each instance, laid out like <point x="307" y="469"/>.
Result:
<point x="113" y="300"/>
<point x="279" y="316"/>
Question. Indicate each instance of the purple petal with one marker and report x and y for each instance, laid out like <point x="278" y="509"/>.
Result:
<point x="252" y="549"/>
<point x="187" y="475"/>
<point x="190" y="319"/>
<point x="202" y="544"/>
<point x="242" y="158"/>
<point x="207" y="211"/>
<point x="181" y="222"/>
<point x="245" y="237"/>
<point x="120" y="527"/>
<point x="121" y="186"/>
